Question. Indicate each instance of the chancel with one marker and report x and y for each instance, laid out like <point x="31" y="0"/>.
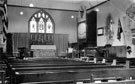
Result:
<point x="67" y="42"/>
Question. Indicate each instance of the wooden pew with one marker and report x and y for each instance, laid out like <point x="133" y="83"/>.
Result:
<point x="53" y="75"/>
<point x="2" y="74"/>
<point x="128" y="62"/>
<point x="54" y="65"/>
<point x="49" y="62"/>
<point x="68" y="71"/>
<point x="50" y="65"/>
<point x="117" y="82"/>
<point x="65" y="67"/>
<point x="57" y="82"/>
<point x="2" y="71"/>
<point x="73" y="76"/>
<point x="3" y="66"/>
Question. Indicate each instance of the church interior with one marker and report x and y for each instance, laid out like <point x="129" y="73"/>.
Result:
<point x="67" y="42"/>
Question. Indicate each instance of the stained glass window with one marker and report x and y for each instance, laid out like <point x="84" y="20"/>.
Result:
<point x="41" y="22"/>
<point x="33" y="25"/>
<point x="49" y="26"/>
<point x="41" y="26"/>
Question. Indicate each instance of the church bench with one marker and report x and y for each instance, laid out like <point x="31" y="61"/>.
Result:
<point x="3" y="66"/>
<point x="74" y="75"/>
<point x="53" y="72"/>
<point x="116" y="82"/>
<point x="68" y="81"/>
<point x="72" y="81"/>
<point x="39" y="60"/>
<point x="2" y="72"/>
<point x="65" y="67"/>
<point x="28" y="63"/>
<point x="50" y="65"/>
<point x="2" y="76"/>
<point x="45" y="62"/>
<point x="128" y="62"/>
<point x="60" y="61"/>
<point x="64" y="61"/>
<point x="51" y="62"/>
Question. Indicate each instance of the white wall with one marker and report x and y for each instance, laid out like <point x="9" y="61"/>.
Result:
<point x="64" y="24"/>
<point x="56" y="4"/>
<point x="117" y="8"/>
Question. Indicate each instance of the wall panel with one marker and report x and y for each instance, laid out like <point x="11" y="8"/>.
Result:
<point x="23" y="40"/>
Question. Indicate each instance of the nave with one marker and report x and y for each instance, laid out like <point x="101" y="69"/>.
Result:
<point x="56" y="42"/>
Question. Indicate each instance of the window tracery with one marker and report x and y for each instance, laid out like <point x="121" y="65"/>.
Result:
<point x="41" y="22"/>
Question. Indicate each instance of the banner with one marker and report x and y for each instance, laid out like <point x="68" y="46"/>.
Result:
<point x="119" y="30"/>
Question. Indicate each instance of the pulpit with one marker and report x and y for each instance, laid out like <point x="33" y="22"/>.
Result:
<point x="44" y="51"/>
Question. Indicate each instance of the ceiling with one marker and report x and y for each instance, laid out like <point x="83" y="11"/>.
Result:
<point x="57" y="4"/>
<point x="70" y="4"/>
<point x="121" y="5"/>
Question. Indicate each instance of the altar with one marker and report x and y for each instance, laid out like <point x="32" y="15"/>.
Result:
<point x="44" y="51"/>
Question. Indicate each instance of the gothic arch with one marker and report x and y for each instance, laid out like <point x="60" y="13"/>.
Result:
<point x="41" y="22"/>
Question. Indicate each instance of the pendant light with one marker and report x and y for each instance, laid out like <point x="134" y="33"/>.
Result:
<point x="21" y="12"/>
<point x="72" y="16"/>
<point x="31" y="4"/>
<point x="97" y="9"/>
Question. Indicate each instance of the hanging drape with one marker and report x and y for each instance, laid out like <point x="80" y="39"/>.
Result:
<point x="9" y="44"/>
<point x="61" y="42"/>
<point x="24" y="40"/>
<point x="20" y="40"/>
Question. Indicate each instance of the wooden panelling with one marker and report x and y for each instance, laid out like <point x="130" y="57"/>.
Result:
<point x="117" y="82"/>
<point x="41" y="39"/>
<point x="119" y="51"/>
<point x="20" y="40"/>
<point x="25" y="40"/>
<point x="61" y="42"/>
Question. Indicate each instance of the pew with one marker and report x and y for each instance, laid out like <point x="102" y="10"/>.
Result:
<point x="117" y="82"/>
<point x="56" y="70"/>
<point x="59" y="70"/>
<point x="73" y="76"/>
<point x="128" y="62"/>
<point x="56" y="63"/>
<point x="2" y="72"/>
<point x="66" y="71"/>
<point x="57" y="82"/>
<point x="2" y="76"/>
<point x="64" y="67"/>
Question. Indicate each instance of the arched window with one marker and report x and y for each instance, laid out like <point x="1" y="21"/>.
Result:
<point x="41" y="22"/>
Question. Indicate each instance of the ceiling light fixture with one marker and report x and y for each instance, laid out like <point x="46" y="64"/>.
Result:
<point x="72" y="16"/>
<point x="97" y="9"/>
<point x="21" y="12"/>
<point x="31" y="4"/>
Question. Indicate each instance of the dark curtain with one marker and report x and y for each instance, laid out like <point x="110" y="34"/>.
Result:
<point x="61" y="42"/>
<point x="20" y="40"/>
<point x="9" y="44"/>
<point x="23" y="40"/>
